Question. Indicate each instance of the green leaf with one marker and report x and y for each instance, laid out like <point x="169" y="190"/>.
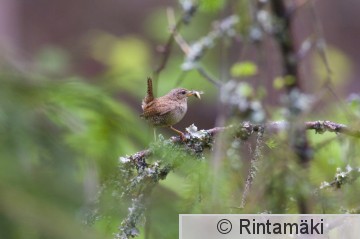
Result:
<point x="271" y="143"/>
<point x="279" y="82"/>
<point x="211" y="5"/>
<point x="245" y="90"/>
<point x="244" y="69"/>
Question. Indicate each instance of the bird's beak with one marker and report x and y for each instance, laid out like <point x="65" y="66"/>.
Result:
<point x="195" y="93"/>
<point x="190" y="93"/>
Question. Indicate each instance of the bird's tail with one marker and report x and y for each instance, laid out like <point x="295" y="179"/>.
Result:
<point x="150" y="95"/>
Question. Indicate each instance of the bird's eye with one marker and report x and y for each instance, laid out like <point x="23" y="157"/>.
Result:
<point x="183" y="92"/>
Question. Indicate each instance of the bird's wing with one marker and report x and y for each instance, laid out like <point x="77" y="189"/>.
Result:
<point x="157" y="108"/>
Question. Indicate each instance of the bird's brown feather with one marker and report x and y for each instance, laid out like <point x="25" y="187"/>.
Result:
<point x="156" y="107"/>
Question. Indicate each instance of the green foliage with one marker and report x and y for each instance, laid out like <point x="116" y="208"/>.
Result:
<point x="211" y="5"/>
<point x="55" y="137"/>
<point x="89" y="114"/>
<point x="37" y="169"/>
<point x="244" y="69"/>
<point x="52" y="60"/>
<point x="339" y="66"/>
<point x="127" y="60"/>
<point x="245" y="90"/>
<point x="271" y="143"/>
<point x="281" y="82"/>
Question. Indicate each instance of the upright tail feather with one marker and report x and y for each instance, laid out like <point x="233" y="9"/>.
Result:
<point x="149" y="96"/>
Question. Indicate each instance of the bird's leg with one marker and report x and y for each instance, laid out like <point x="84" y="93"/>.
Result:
<point x="182" y="136"/>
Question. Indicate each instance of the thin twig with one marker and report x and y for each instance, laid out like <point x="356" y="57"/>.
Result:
<point x="188" y="13"/>
<point x="321" y="48"/>
<point x="177" y="36"/>
<point x="207" y="76"/>
<point x="166" y="50"/>
<point x="321" y="43"/>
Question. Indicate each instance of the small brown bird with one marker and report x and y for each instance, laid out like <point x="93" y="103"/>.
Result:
<point x="167" y="110"/>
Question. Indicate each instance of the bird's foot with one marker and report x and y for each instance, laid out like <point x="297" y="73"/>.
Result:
<point x="181" y="134"/>
<point x="182" y="137"/>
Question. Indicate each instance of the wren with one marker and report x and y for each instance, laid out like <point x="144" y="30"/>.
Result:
<point x="167" y="110"/>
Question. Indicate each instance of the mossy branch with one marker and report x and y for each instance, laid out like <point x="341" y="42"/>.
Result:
<point x="196" y="141"/>
<point x="243" y="131"/>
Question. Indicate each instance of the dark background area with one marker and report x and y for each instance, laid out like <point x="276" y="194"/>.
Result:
<point x="30" y="25"/>
<point x="26" y="26"/>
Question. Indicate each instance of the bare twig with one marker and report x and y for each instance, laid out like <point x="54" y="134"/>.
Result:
<point x="321" y="48"/>
<point x="321" y="43"/>
<point x="177" y="36"/>
<point x="188" y="12"/>
<point x="207" y="76"/>
<point x="166" y="50"/>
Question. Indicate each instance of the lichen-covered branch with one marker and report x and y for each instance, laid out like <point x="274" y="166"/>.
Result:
<point x="328" y="126"/>
<point x="256" y="156"/>
<point x="243" y="131"/>
<point x="342" y="177"/>
<point x="196" y="141"/>
<point x="195" y="52"/>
